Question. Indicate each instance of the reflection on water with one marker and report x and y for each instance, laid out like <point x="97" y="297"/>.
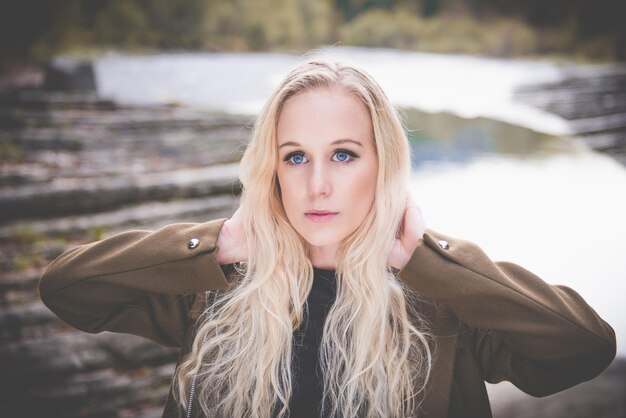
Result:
<point x="446" y="137"/>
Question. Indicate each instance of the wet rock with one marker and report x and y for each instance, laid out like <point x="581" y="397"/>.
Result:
<point x="67" y="196"/>
<point x="15" y="319"/>
<point x="84" y="169"/>
<point x="602" y="397"/>
<point x="132" y="352"/>
<point x="69" y="74"/>
<point x="102" y="393"/>
<point x="592" y="101"/>
<point x="59" y="355"/>
<point x="148" y="216"/>
<point x="26" y="280"/>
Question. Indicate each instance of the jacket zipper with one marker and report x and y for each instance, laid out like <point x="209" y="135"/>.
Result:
<point x="192" y="389"/>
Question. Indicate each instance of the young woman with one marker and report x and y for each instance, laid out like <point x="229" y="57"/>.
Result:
<point x="324" y="294"/>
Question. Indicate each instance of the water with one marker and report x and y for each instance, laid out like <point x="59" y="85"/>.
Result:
<point x="544" y="202"/>
<point x="510" y="180"/>
<point x="463" y="85"/>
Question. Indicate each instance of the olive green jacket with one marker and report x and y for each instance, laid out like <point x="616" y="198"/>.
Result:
<point x="492" y="321"/>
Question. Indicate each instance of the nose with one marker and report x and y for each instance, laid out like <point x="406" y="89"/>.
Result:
<point x="319" y="180"/>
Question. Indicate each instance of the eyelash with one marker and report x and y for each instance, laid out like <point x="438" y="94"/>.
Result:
<point x="352" y="155"/>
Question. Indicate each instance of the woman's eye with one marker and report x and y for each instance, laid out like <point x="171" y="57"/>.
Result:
<point x="295" y="159"/>
<point x="298" y="158"/>
<point x="345" y="156"/>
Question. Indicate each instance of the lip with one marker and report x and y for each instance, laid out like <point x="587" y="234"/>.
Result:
<point x="321" y="216"/>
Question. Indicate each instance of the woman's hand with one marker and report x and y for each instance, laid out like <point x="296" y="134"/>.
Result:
<point x="231" y="242"/>
<point x="411" y="232"/>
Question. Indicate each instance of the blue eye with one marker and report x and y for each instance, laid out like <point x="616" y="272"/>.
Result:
<point x="345" y="156"/>
<point x="342" y="156"/>
<point x="295" y="159"/>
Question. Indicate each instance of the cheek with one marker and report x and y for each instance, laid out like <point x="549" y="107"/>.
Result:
<point x="365" y="185"/>
<point x="360" y="194"/>
<point x="288" y="191"/>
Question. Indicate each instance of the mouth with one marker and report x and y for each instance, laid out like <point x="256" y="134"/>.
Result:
<point x="320" y="215"/>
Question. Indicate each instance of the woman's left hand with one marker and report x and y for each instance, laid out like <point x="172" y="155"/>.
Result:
<point x="411" y="232"/>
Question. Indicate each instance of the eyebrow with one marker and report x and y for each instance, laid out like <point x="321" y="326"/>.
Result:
<point x="339" y="141"/>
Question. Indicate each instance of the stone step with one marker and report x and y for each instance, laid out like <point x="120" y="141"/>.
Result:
<point x="118" y="156"/>
<point x="16" y="281"/>
<point x="571" y="105"/>
<point x="53" y="166"/>
<point x="589" y="107"/>
<point x="582" y="94"/>
<point x="129" y="118"/>
<point x="141" y="216"/>
<point x="64" y="196"/>
<point x="16" y="321"/>
<point x="605" y="123"/>
<point x="107" y="392"/>
<point x="606" y="141"/>
<point x="71" y="352"/>
<point x="574" y="87"/>
<point x="40" y="99"/>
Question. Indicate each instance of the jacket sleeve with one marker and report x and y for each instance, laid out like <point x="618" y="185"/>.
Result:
<point x="543" y="338"/>
<point x="136" y="282"/>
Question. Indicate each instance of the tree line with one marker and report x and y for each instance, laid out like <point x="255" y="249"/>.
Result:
<point x="37" y="29"/>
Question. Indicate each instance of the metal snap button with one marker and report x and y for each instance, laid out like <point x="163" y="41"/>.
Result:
<point x="193" y="243"/>
<point x="443" y="244"/>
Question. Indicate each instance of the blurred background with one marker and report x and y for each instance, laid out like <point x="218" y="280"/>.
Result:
<point x="118" y="115"/>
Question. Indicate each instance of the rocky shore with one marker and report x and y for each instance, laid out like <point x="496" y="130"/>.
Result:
<point x="77" y="168"/>
<point x="592" y="101"/>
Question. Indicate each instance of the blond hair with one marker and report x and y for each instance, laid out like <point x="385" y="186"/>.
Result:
<point x="374" y="351"/>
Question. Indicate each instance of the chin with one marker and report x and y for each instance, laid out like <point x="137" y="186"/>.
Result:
<point x="322" y="239"/>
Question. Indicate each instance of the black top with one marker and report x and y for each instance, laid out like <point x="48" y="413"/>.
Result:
<point x="307" y="375"/>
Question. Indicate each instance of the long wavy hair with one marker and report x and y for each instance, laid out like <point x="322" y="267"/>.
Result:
<point x="374" y="351"/>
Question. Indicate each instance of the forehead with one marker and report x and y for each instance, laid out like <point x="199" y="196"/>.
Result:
<point x="323" y="115"/>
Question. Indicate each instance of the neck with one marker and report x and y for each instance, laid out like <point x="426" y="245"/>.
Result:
<point x="324" y="257"/>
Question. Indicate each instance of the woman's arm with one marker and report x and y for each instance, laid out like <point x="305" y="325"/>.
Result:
<point x="135" y="282"/>
<point x="543" y="338"/>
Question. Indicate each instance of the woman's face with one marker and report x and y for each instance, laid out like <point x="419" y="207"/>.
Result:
<point x="327" y="164"/>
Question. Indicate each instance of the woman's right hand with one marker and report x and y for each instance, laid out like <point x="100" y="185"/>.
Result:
<point x="231" y="242"/>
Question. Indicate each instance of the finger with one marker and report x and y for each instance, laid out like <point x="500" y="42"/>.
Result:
<point x="414" y="220"/>
<point x="410" y="202"/>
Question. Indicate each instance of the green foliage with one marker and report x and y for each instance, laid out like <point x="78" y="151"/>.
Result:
<point x="96" y="233"/>
<point x="598" y="48"/>
<point x="235" y="25"/>
<point x="266" y="24"/>
<point x="249" y="26"/>
<point x="462" y="34"/>
<point x="429" y="7"/>
<point x="25" y="262"/>
<point x="511" y="28"/>
<point x="25" y="235"/>
<point x="62" y="240"/>
<point x="122" y="23"/>
<point x="417" y="136"/>
<point x="381" y="28"/>
<point x="10" y="151"/>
